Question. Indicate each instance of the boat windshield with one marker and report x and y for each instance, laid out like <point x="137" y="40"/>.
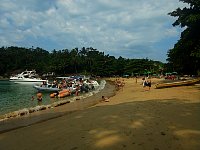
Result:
<point x="26" y="76"/>
<point x="25" y="72"/>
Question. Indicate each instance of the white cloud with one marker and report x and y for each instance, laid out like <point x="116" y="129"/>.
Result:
<point x="129" y="28"/>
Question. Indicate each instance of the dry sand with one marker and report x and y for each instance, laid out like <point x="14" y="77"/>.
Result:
<point x="133" y="119"/>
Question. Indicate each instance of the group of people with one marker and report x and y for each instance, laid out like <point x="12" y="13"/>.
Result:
<point x="119" y="84"/>
<point x="75" y="86"/>
<point x="146" y="83"/>
<point x="55" y="84"/>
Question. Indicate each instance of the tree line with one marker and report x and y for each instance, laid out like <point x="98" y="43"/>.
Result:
<point x="76" y="61"/>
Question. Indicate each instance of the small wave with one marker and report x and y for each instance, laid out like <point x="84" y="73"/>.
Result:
<point x="27" y="111"/>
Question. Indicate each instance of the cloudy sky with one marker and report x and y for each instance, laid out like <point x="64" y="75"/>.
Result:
<point x="127" y="28"/>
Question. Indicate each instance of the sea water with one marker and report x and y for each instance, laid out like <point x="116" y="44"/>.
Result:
<point x="18" y="96"/>
<point x="14" y="97"/>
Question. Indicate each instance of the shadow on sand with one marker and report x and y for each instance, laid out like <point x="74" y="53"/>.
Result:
<point x="148" y="125"/>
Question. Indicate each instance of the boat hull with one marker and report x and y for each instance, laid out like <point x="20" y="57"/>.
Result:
<point x="46" y="89"/>
<point x="28" y="81"/>
<point x="175" y="84"/>
<point x="26" y="77"/>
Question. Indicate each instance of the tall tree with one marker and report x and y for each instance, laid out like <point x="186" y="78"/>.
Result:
<point x="185" y="56"/>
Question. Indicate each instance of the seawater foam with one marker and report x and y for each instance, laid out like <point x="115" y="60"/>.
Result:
<point x="26" y="111"/>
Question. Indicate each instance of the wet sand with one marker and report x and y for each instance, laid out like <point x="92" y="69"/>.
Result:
<point x="159" y="119"/>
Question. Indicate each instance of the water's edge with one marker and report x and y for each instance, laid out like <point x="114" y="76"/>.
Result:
<point x="65" y="107"/>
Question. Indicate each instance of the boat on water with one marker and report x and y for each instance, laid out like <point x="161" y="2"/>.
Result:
<point x="178" y="83"/>
<point x="46" y="88"/>
<point x="27" y="77"/>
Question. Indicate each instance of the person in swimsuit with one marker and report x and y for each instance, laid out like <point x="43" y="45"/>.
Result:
<point x="39" y="97"/>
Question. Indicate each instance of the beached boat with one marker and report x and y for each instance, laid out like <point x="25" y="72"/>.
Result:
<point x="178" y="83"/>
<point x="26" y="77"/>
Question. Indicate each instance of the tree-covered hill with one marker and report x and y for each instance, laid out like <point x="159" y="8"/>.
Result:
<point x="75" y="61"/>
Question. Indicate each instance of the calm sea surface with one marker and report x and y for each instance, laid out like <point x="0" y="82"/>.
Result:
<point x="18" y="96"/>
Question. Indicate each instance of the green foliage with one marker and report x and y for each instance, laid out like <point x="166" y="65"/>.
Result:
<point x="185" y="56"/>
<point x="75" y="61"/>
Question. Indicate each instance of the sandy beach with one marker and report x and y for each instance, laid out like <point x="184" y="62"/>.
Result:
<point x="133" y="119"/>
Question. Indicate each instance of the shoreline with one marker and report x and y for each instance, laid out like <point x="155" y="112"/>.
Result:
<point x="134" y="118"/>
<point x="61" y="108"/>
<point x="53" y="102"/>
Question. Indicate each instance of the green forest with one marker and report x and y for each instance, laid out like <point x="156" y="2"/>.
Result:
<point x="76" y="61"/>
<point x="184" y="58"/>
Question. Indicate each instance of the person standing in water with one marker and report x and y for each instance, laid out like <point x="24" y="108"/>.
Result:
<point x="39" y="97"/>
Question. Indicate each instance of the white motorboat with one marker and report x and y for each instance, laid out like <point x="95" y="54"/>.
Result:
<point x="47" y="88"/>
<point x="27" y="77"/>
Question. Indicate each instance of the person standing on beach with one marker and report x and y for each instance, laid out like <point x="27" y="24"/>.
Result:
<point x="136" y="79"/>
<point x="149" y="83"/>
<point x="143" y="82"/>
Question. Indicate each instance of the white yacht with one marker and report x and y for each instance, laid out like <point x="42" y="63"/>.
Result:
<point x="26" y="77"/>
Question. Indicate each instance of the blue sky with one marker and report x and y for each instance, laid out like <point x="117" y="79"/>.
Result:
<point x="127" y="28"/>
